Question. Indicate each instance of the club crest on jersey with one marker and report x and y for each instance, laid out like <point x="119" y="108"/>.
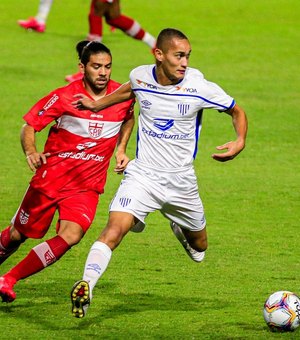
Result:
<point x="23" y="217"/>
<point x="95" y="129"/>
<point x="183" y="108"/>
<point x="163" y="124"/>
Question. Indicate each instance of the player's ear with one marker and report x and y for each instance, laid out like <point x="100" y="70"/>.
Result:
<point x="158" y="54"/>
<point x="81" y="67"/>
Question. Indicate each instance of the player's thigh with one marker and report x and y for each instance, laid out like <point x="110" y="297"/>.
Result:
<point x="184" y="205"/>
<point x="79" y="208"/>
<point x="35" y="214"/>
<point x="112" y="10"/>
<point x="136" y="198"/>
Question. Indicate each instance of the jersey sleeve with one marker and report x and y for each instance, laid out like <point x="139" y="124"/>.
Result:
<point x="130" y="111"/>
<point x="215" y="97"/>
<point x="44" y="111"/>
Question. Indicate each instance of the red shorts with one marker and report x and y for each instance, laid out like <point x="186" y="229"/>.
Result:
<point x="37" y="210"/>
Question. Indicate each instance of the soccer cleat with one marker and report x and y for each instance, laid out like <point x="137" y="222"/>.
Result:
<point x="32" y="24"/>
<point x="6" y="288"/>
<point x="80" y="298"/>
<point x="94" y="37"/>
<point x="72" y="77"/>
<point x="195" y="255"/>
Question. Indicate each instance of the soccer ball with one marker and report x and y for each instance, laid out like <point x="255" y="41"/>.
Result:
<point x="282" y="311"/>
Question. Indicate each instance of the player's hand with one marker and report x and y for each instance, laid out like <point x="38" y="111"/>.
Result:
<point x="82" y="102"/>
<point x="36" y="159"/>
<point x="232" y="148"/>
<point x="121" y="162"/>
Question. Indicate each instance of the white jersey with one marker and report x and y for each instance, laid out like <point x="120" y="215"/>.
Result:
<point x="170" y="116"/>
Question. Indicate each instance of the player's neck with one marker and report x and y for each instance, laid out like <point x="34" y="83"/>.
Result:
<point x="162" y="78"/>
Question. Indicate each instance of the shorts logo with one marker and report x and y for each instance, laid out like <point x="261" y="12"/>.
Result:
<point x="124" y="201"/>
<point x="163" y="124"/>
<point x="183" y="109"/>
<point x="23" y="217"/>
<point x="95" y="129"/>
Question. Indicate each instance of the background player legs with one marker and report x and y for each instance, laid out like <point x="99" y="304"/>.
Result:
<point x="38" y="23"/>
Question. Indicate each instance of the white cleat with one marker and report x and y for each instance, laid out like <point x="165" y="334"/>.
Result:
<point x="195" y="255"/>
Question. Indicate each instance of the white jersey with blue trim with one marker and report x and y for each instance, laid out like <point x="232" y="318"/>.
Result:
<point x="170" y="116"/>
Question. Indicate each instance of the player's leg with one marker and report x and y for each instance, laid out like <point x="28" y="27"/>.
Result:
<point x="95" y="20"/>
<point x="38" y="23"/>
<point x="76" y="215"/>
<point x="32" y="220"/>
<point x="128" y="25"/>
<point x="194" y="242"/>
<point x="118" y="225"/>
<point x="185" y="210"/>
<point x="10" y="240"/>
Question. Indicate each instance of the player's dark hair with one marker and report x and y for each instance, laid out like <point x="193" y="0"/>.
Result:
<point x="86" y="48"/>
<point x="166" y="35"/>
<point x="80" y="46"/>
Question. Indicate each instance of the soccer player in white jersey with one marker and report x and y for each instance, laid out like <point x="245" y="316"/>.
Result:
<point x="71" y="172"/>
<point x="171" y="97"/>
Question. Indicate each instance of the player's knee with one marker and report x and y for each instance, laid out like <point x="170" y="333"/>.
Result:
<point x="112" y="235"/>
<point x="72" y="233"/>
<point x="16" y="236"/>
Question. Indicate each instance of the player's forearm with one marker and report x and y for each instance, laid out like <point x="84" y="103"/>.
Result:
<point x="125" y="134"/>
<point x="28" y="139"/>
<point x="239" y="120"/>
<point x="122" y="94"/>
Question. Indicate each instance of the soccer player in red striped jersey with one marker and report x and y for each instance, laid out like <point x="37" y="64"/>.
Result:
<point x="70" y="173"/>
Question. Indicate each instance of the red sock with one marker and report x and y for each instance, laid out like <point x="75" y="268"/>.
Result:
<point x="41" y="256"/>
<point x="95" y="22"/>
<point x="128" y="25"/>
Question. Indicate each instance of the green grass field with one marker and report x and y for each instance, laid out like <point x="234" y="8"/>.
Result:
<point x="152" y="290"/>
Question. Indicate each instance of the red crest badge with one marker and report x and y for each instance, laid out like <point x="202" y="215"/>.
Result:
<point x="95" y="129"/>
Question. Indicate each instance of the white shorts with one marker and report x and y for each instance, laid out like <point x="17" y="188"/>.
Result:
<point x="175" y="195"/>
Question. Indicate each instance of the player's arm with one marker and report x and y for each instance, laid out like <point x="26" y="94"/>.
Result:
<point x="233" y="148"/>
<point x="120" y="95"/>
<point x="33" y="157"/>
<point x="121" y="158"/>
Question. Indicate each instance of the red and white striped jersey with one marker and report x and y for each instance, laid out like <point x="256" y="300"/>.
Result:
<point x="81" y="142"/>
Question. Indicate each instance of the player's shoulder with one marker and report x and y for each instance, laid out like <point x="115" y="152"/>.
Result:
<point x="142" y="69"/>
<point x="194" y="73"/>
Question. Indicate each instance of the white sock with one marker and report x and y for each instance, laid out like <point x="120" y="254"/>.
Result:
<point x="43" y="11"/>
<point x="96" y="263"/>
<point x="149" y="40"/>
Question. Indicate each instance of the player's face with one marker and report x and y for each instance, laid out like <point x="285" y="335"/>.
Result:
<point x="97" y="71"/>
<point x="174" y="59"/>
